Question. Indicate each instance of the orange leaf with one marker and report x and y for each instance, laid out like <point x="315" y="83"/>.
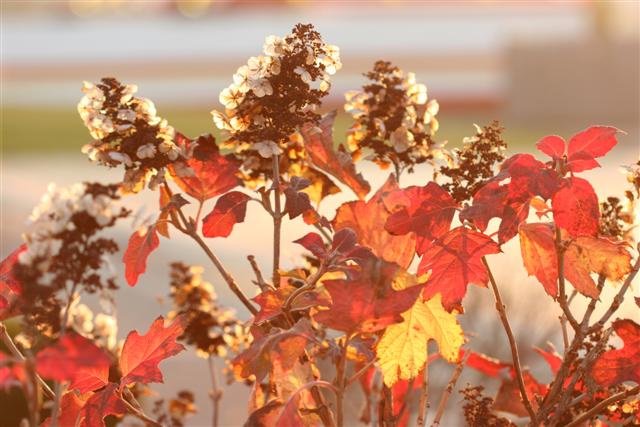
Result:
<point x="539" y="255"/>
<point x="230" y="209"/>
<point x="318" y="141"/>
<point x="363" y="306"/>
<point x="70" y="406"/>
<point x="162" y="225"/>
<point x="455" y="261"/>
<point x="142" y="354"/>
<point x="616" y="366"/>
<point x="141" y="244"/>
<point x="76" y="359"/>
<point x="10" y="288"/>
<point x="367" y="220"/>
<point x="214" y="174"/>
<point x="429" y="213"/>
<point x="99" y="405"/>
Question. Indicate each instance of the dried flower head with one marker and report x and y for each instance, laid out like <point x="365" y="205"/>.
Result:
<point x="619" y="217"/>
<point x="127" y="130"/>
<point x="473" y="164"/>
<point x="212" y="329"/>
<point x="101" y="328"/>
<point x="394" y="118"/>
<point x="63" y="249"/>
<point x="273" y="95"/>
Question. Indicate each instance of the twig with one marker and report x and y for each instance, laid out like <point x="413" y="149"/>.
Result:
<point x="15" y="351"/>
<point x="424" y="397"/>
<point x="361" y="372"/>
<point x="603" y="404"/>
<point x="563" y="321"/>
<point x="139" y="414"/>
<point x="277" y="220"/>
<point x="216" y="393"/>
<point x="447" y="392"/>
<point x="256" y="270"/>
<point x="512" y="343"/>
<point x="562" y="294"/>
<point x="340" y="382"/>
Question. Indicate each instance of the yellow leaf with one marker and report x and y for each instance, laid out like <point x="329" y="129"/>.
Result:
<point x="402" y="350"/>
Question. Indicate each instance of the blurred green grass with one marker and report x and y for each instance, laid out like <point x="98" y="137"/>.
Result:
<point x="43" y="130"/>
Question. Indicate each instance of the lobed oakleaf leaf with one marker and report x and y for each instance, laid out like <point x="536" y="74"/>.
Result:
<point x="10" y="287"/>
<point x="77" y="359"/>
<point x="584" y="147"/>
<point x="616" y="366"/>
<point x="101" y="404"/>
<point x="402" y="349"/>
<point x="141" y="354"/>
<point x="368" y="219"/>
<point x="71" y="405"/>
<point x="455" y="261"/>
<point x="318" y="142"/>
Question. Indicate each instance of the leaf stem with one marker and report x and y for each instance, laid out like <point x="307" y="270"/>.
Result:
<point x="512" y="343"/>
<point x="139" y="414"/>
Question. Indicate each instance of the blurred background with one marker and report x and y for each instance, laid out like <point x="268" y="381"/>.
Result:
<point x="552" y="67"/>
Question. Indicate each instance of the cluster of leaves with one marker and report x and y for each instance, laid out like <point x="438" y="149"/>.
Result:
<point x="384" y="277"/>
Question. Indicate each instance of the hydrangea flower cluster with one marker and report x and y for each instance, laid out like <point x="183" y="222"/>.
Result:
<point x="127" y="130"/>
<point x="102" y="328"/>
<point x="273" y="95"/>
<point x="212" y="329"/>
<point x="62" y="249"/>
<point x="618" y="216"/>
<point x="394" y="118"/>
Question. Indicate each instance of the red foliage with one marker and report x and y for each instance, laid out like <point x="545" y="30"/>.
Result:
<point x="230" y="209"/>
<point x="616" y="366"/>
<point x="141" y="244"/>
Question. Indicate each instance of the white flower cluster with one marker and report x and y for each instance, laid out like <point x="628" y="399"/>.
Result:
<point x="256" y="77"/>
<point x="53" y="215"/>
<point x="105" y="121"/>
<point x="419" y="113"/>
<point x="102" y="328"/>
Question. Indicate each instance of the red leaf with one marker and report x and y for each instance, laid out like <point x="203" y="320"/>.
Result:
<point x="537" y="244"/>
<point x="272" y="300"/>
<point x="101" y="404"/>
<point x="575" y="208"/>
<point x="214" y="174"/>
<point x="142" y="354"/>
<point x="11" y="373"/>
<point x="509" y="399"/>
<point x="230" y="210"/>
<point x="553" y="359"/>
<point x="10" y="288"/>
<point x="428" y="214"/>
<point x="280" y="347"/>
<point x="455" y="260"/>
<point x="358" y="306"/>
<point x="141" y="244"/>
<point x="76" y="359"/>
<point x="485" y="364"/>
<point x="616" y="366"/>
<point x="367" y="220"/>
<point x="318" y="141"/>
<point x="313" y="243"/>
<point x="584" y="147"/>
<point x="70" y="407"/>
<point x="552" y="146"/>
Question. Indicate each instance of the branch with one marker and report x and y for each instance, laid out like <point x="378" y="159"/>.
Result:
<point x="340" y="382"/>
<point x="216" y="393"/>
<point x="277" y="220"/>
<point x="512" y="343"/>
<point x="139" y="414"/>
<point x="603" y="404"/>
<point x="449" y="389"/>
<point x="189" y="228"/>
<point x="256" y="270"/>
<point x="424" y="397"/>
<point x="15" y="351"/>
